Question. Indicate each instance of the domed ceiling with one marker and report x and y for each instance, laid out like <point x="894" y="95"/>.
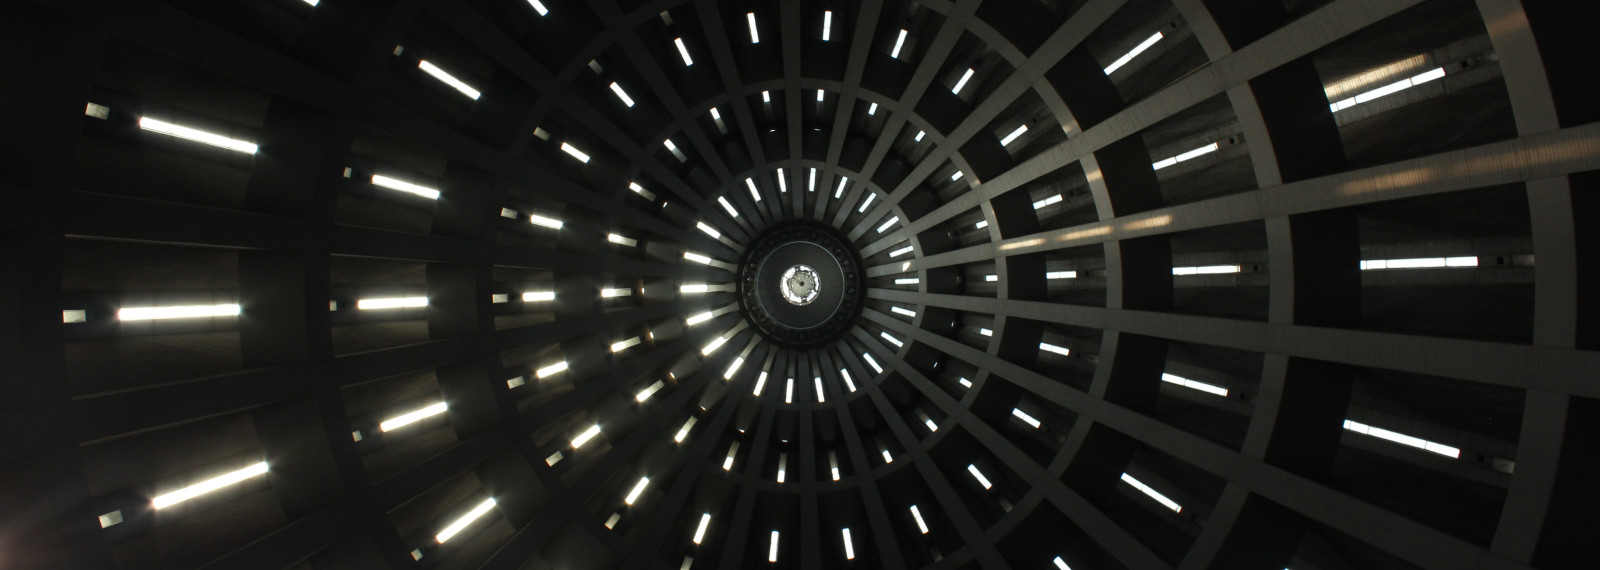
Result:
<point x="1031" y="284"/>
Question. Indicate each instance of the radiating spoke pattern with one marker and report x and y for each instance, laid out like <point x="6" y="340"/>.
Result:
<point x="1131" y="284"/>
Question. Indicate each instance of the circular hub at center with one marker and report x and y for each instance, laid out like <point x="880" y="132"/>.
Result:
<point x="800" y="284"/>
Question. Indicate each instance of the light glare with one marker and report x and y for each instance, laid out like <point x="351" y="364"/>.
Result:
<point x="466" y="519"/>
<point x="409" y="418"/>
<point x="447" y="79"/>
<point x="207" y="486"/>
<point x="158" y="313"/>
<point x="197" y="135"/>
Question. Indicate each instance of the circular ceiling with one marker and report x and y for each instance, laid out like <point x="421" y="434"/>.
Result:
<point x="952" y="284"/>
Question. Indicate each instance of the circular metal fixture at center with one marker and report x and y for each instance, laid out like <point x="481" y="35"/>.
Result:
<point x="800" y="284"/>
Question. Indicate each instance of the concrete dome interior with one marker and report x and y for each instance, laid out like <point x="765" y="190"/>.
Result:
<point x="1144" y="284"/>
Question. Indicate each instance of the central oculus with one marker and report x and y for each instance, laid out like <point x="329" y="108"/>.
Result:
<point x="800" y="284"/>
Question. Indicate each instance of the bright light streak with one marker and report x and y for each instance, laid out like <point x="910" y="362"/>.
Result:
<point x="700" y="318"/>
<point x="903" y="311"/>
<point x="587" y="435"/>
<point x="697" y="258"/>
<point x="733" y="368"/>
<point x="887" y="223"/>
<point x="207" y="486"/>
<point x="466" y="519"/>
<point x="821" y="95"/>
<point x="710" y="231"/>
<point x="848" y="383"/>
<point x="898" y="43"/>
<point x="404" y="186"/>
<point x="1056" y="199"/>
<point x="551" y="369"/>
<point x="892" y="340"/>
<point x="772" y="551"/>
<point x="539" y="220"/>
<point x="1419" y="263"/>
<point x="918" y="515"/>
<point x="783" y="461"/>
<point x="821" y="394"/>
<point x="623" y="95"/>
<point x="907" y="281"/>
<point x="900" y="252"/>
<point x="872" y="109"/>
<point x="756" y="194"/>
<point x="872" y="363"/>
<point x="1061" y="275"/>
<point x="727" y="463"/>
<point x="827" y="24"/>
<point x="849" y="548"/>
<point x="683" y="50"/>
<point x="1061" y="350"/>
<point x="1152" y="493"/>
<point x="811" y="186"/>
<point x="982" y="224"/>
<point x="864" y="203"/>
<point x="700" y="532"/>
<point x="649" y="391"/>
<point x="1062" y="565"/>
<point x="716" y="343"/>
<point x="962" y="82"/>
<point x="788" y="392"/>
<point x="393" y="303"/>
<point x="887" y="458"/>
<point x="973" y="469"/>
<point x="1201" y="386"/>
<point x="1205" y="270"/>
<point x="1389" y="89"/>
<point x="409" y="418"/>
<point x="624" y="345"/>
<point x="1121" y="61"/>
<point x="609" y="293"/>
<point x="965" y="383"/>
<point x="919" y="136"/>
<point x="637" y="189"/>
<point x="539" y="296"/>
<point x="1014" y="134"/>
<point x="1403" y="439"/>
<point x="957" y="176"/>
<point x="574" y="152"/>
<point x="182" y="312"/>
<point x="637" y="489"/>
<point x="447" y="79"/>
<point x="783" y="182"/>
<point x="755" y="37"/>
<point x="761" y="381"/>
<point x="727" y="206"/>
<point x="1027" y="419"/>
<point x="537" y="6"/>
<point x="622" y="240"/>
<point x="197" y="135"/>
<point x="694" y="288"/>
<point x="1208" y="149"/>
